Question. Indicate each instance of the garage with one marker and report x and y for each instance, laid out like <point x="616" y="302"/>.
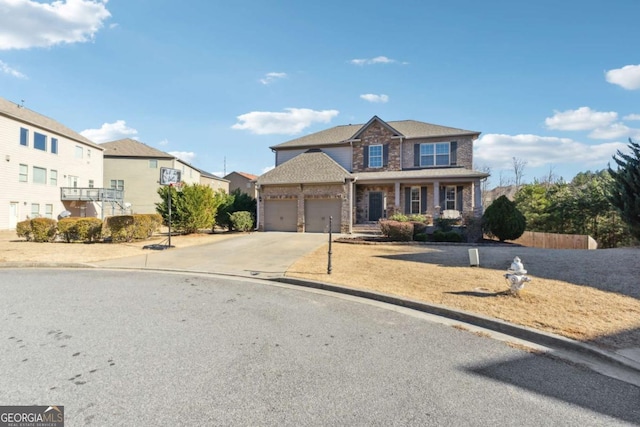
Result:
<point x="317" y="213"/>
<point x="281" y="215"/>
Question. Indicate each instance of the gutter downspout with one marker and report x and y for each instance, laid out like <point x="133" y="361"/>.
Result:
<point x="258" y="208"/>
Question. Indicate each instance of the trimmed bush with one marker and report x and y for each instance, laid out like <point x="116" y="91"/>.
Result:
<point x="120" y="228"/>
<point x="417" y="218"/>
<point x="23" y="229"/>
<point x="67" y="228"/>
<point x="446" y="236"/>
<point x="445" y="224"/>
<point x="144" y="225"/>
<point x="419" y="227"/>
<point x="421" y="237"/>
<point x="503" y="220"/>
<point x="43" y="229"/>
<point x="88" y="229"/>
<point x="241" y="221"/>
<point x="399" y="217"/>
<point x="396" y="230"/>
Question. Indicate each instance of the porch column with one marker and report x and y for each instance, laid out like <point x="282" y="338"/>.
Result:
<point x="436" y="199"/>
<point x="477" y="198"/>
<point x="397" y="191"/>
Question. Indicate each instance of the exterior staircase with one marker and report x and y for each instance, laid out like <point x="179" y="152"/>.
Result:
<point x="369" y="229"/>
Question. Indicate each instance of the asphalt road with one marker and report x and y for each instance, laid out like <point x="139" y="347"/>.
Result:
<point x="134" y="348"/>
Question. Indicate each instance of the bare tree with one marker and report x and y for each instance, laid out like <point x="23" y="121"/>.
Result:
<point x="518" y="170"/>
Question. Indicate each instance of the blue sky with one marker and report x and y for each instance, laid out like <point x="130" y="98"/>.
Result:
<point x="553" y="83"/>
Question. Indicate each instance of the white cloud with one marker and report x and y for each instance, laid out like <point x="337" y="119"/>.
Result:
<point x="272" y="77"/>
<point x="497" y="151"/>
<point x="631" y="117"/>
<point x="26" y="23"/>
<point x="584" y="118"/>
<point x="371" y="61"/>
<point x="375" y="98"/>
<point x="293" y="121"/>
<point x="163" y="143"/>
<point x="628" y="77"/>
<point x="614" y="131"/>
<point x="185" y="156"/>
<point x="110" y="132"/>
<point x="5" y="68"/>
<point x="267" y="169"/>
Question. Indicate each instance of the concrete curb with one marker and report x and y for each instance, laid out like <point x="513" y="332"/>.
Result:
<point x="522" y="332"/>
<point x="37" y="264"/>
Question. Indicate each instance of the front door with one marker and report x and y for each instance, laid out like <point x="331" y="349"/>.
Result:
<point x="375" y="205"/>
<point x="13" y="215"/>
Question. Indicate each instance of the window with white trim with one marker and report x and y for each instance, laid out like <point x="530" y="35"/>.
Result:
<point x="117" y="184"/>
<point x="375" y="156"/>
<point x="24" y="173"/>
<point x="54" y="145"/>
<point x="39" y="175"/>
<point x="415" y="200"/>
<point x="153" y="164"/>
<point x="39" y="141"/>
<point x="90" y="183"/>
<point x="35" y="210"/>
<point x="79" y="152"/>
<point x="48" y="211"/>
<point x="53" y="177"/>
<point x="435" y="154"/>
<point x="24" y="137"/>
<point x="450" y="197"/>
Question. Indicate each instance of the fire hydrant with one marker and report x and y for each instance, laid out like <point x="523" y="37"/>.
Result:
<point x="516" y="276"/>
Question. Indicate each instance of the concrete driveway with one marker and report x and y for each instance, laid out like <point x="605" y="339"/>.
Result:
<point x="262" y="255"/>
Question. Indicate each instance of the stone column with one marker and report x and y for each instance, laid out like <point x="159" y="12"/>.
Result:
<point x="436" y="199"/>
<point x="477" y="198"/>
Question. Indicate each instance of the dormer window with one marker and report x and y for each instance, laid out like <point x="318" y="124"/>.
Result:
<point x="375" y="156"/>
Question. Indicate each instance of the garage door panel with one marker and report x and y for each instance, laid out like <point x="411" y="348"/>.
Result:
<point x="317" y="213"/>
<point x="281" y="215"/>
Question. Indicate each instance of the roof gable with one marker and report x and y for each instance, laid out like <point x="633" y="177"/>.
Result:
<point x="25" y="115"/>
<point x="311" y="167"/>
<point x="409" y="129"/>
<point x="131" y="148"/>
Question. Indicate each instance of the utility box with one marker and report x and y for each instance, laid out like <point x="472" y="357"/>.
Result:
<point x="474" y="258"/>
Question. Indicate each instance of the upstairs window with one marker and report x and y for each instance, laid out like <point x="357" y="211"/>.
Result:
<point x="90" y="183"/>
<point x="48" y="211"/>
<point x="54" y="145"/>
<point x="375" y="156"/>
<point x="435" y="154"/>
<point x="39" y="141"/>
<point x="79" y="152"/>
<point x="153" y="164"/>
<point x="117" y="184"/>
<point x="53" y="177"/>
<point x="24" y="137"/>
<point x="35" y="210"/>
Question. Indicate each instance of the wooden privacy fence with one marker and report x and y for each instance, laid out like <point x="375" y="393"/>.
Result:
<point x="556" y="241"/>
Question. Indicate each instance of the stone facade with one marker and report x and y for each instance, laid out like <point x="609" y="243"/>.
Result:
<point x="302" y="192"/>
<point x="361" y="212"/>
<point x="374" y="135"/>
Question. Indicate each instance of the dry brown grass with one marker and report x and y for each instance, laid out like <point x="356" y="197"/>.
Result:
<point x="575" y="311"/>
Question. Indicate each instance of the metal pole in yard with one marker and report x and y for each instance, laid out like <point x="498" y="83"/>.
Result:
<point x="169" y="206"/>
<point x="329" y="265"/>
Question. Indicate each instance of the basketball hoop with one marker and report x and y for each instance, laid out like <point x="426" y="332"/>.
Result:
<point x="177" y="186"/>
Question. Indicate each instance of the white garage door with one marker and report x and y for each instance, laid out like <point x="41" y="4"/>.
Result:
<point x="281" y="215"/>
<point x="317" y="213"/>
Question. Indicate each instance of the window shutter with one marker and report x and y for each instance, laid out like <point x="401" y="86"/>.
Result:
<point x="416" y="155"/>
<point x="423" y="199"/>
<point x="442" y="196"/>
<point x="407" y="200"/>
<point x="459" y="198"/>
<point x="453" y="159"/>
<point x="365" y="157"/>
<point x="385" y="155"/>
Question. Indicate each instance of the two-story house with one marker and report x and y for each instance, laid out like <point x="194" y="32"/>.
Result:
<point x="134" y="168"/>
<point x="41" y="159"/>
<point x="243" y="181"/>
<point x="360" y="173"/>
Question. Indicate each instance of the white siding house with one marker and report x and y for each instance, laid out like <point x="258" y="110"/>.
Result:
<point x="38" y="157"/>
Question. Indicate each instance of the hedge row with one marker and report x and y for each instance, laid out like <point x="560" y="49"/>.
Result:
<point x="402" y="231"/>
<point x="119" y="228"/>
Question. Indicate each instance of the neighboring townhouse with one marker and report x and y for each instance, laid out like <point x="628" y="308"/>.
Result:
<point x="214" y="181"/>
<point x="243" y="181"/>
<point x="134" y="168"/>
<point x="358" y="174"/>
<point x="46" y="169"/>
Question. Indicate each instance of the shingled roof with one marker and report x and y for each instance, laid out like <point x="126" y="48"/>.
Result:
<point x="343" y="134"/>
<point x="312" y="167"/>
<point x="23" y="114"/>
<point x="131" y="148"/>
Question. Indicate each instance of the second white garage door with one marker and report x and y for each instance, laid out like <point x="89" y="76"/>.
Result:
<point x="281" y="215"/>
<point x="317" y="213"/>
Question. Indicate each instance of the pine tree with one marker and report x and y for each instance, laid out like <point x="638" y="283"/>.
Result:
<point x="503" y="220"/>
<point x="625" y="194"/>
